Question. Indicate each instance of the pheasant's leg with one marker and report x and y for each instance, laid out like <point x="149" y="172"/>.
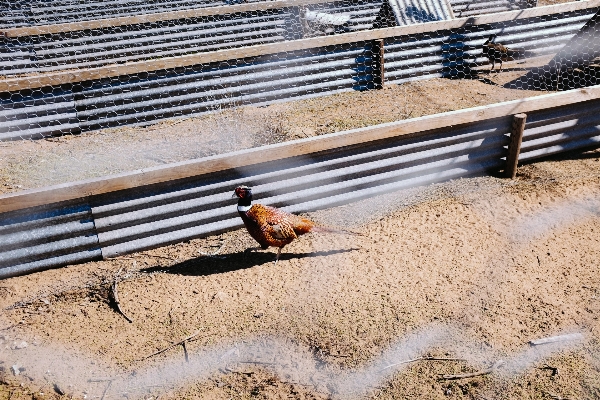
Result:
<point x="493" y="63"/>
<point x="278" y="254"/>
<point x="500" y="70"/>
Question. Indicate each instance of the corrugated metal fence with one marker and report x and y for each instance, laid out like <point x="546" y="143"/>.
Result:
<point x="468" y="8"/>
<point x="16" y="13"/>
<point x="120" y="222"/>
<point x="151" y="96"/>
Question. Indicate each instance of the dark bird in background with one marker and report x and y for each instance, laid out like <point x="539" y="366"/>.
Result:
<point x="498" y="52"/>
<point x="270" y="226"/>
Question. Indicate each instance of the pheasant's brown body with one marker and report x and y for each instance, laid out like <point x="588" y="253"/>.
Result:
<point x="270" y="226"/>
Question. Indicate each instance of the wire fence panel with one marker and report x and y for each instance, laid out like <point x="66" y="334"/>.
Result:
<point x="135" y="220"/>
<point x="561" y="129"/>
<point x="171" y="210"/>
<point x="467" y="8"/>
<point x="74" y="67"/>
<point x="155" y="94"/>
<point x="47" y="237"/>
<point x="262" y="80"/>
<point x="40" y="12"/>
<point x="456" y="53"/>
<point x="38" y="113"/>
<point x="84" y="49"/>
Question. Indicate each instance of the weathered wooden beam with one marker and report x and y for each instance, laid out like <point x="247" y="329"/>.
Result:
<point x="238" y="159"/>
<point x="514" y="147"/>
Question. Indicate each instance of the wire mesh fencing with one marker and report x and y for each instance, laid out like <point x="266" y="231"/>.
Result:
<point x="72" y="66"/>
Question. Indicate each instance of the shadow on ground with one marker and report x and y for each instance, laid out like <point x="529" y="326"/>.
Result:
<point x="209" y="265"/>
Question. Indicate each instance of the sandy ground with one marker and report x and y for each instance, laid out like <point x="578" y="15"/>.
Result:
<point x="468" y="272"/>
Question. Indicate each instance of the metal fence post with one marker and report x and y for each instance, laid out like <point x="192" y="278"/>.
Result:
<point x="378" y="64"/>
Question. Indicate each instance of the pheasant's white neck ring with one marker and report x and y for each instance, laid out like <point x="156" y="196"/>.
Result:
<point x="243" y="208"/>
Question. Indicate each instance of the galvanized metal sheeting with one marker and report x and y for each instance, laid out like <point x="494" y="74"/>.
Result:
<point x="17" y="13"/>
<point x="35" y="114"/>
<point x="561" y="129"/>
<point x="408" y="12"/>
<point x="46" y="237"/>
<point x="131" y="221"/>
<point x="139" y="100"/>
<point x="156" y="215"/>
<point x="454" y="53"/>
<point x="467" y="8"/>
<point x="98" y="47"/>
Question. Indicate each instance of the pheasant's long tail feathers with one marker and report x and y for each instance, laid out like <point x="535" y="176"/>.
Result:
<point x="327" y="229"/>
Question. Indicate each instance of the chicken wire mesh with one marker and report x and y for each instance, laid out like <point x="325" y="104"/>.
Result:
<point x="73" y="66"/>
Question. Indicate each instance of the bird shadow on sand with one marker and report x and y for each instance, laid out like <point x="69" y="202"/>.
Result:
<point x="209" y="265"/>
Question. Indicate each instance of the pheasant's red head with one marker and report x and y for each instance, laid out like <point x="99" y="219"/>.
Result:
<point x="243" y="192"/>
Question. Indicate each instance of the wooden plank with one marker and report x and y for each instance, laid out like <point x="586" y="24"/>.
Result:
<point x="514" y="147"/>
<point x="60" y="78"/>
<point x="239" y="159"/>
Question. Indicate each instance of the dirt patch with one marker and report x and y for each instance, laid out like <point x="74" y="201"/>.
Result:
<point x="467" y="272"/>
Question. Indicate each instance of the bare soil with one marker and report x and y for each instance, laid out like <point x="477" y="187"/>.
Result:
<point x="448" y="279"/>
<point x="470" y="271"/>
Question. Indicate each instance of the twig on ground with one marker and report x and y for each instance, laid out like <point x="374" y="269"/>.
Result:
<point x="474" y="374"/>
<point x="185" y="352"/>
<point x="101" y="379"/>
<point x="443" y="359"/>
<point x="554" y="339"/>
<point x="106" y="389"/>
<point x="422" y="359"/>
<point x="116" y="298"/>
<point x="145" y="255"/>
<point x="9" y="327"/>
<point x="553" y="369"/>
<point x="171" y="346"/>
<point x="239" y="372"/>
<point x="401" y="362"/>
<point x="256" y="362"/>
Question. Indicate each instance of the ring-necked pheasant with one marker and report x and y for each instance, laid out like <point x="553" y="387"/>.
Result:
<point x="270" y="226"/>
<point x="498" y="52"/>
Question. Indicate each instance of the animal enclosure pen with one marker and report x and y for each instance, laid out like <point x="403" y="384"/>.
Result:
<point x="125" y="125"/>
<point x="71" y="73"/>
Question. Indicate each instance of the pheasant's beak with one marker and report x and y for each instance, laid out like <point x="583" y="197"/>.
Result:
<point x="234" y="195"/>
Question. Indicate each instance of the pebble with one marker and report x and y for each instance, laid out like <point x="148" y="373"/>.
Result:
<point x="220" y="296"/>
<point x="19" y="345"/>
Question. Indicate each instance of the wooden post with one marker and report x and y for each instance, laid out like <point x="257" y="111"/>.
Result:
<point x="514" y="147"/>
<point x="378" y="64"/>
